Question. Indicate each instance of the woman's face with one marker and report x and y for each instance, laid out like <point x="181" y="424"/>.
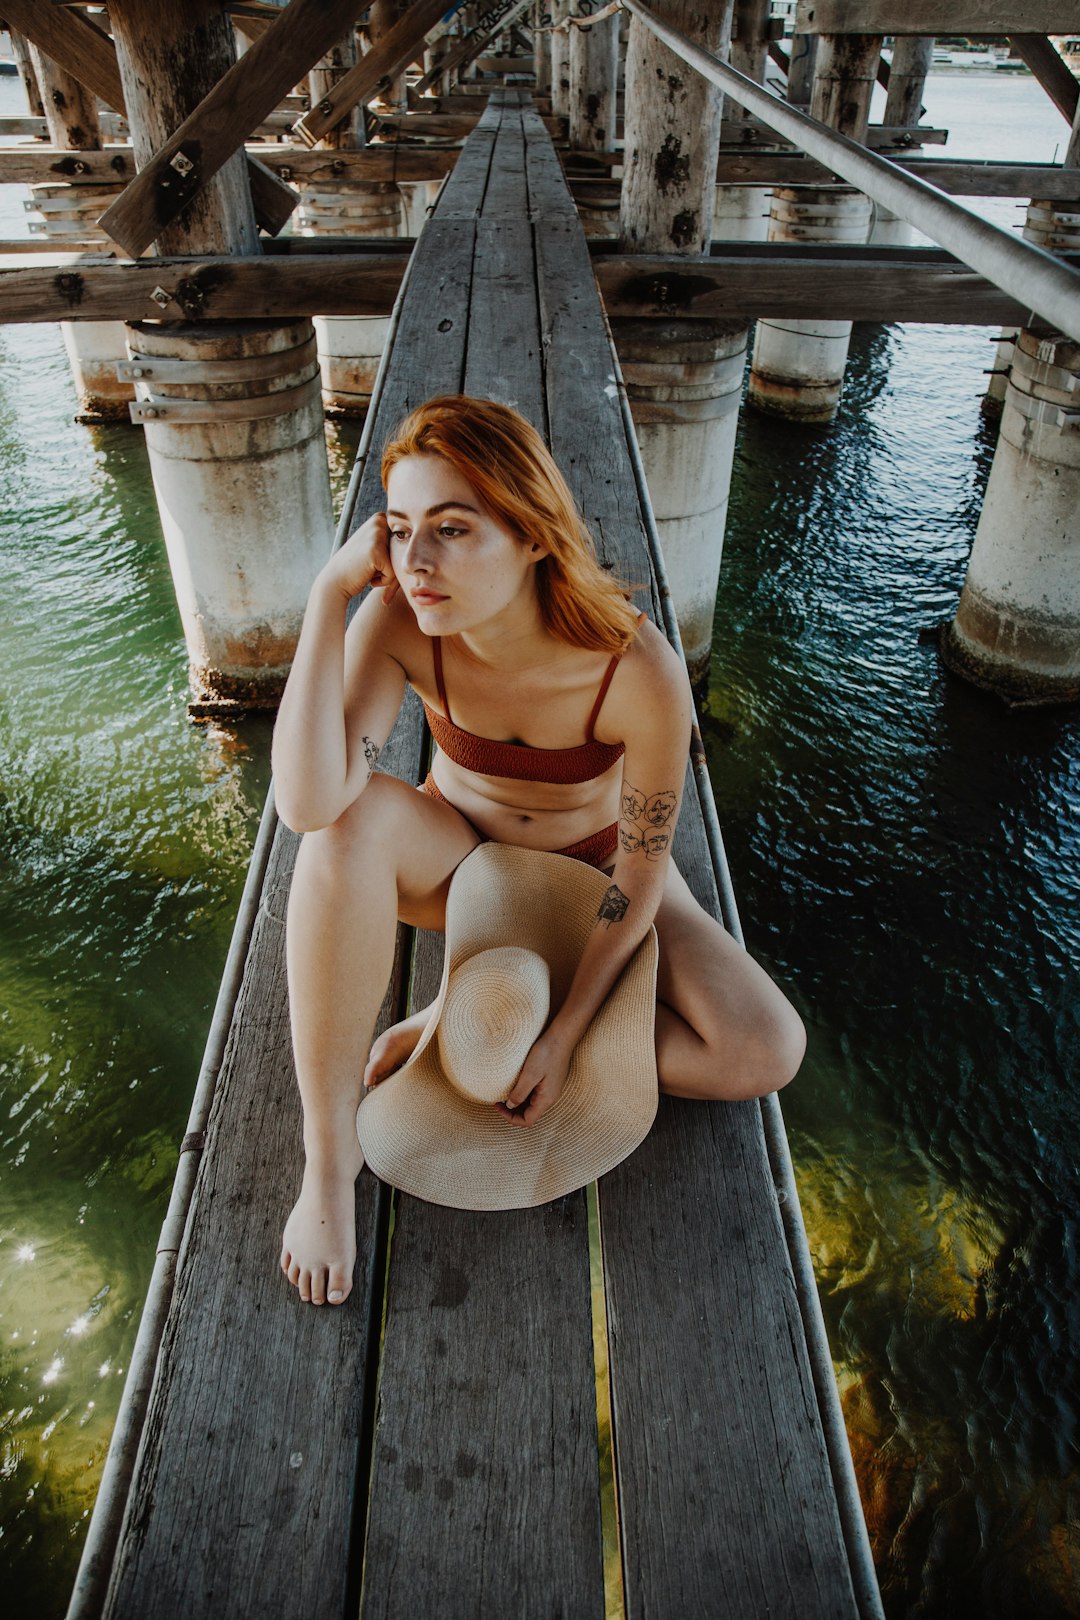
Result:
<point x="456" y="563"/>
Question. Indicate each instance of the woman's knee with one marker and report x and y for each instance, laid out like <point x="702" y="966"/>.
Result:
<point x="775" y="1048"/>
<point x="363" y="831"/>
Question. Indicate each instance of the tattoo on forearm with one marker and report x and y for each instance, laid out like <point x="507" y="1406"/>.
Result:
<point x="646" y="824"/>
<point x="612" y="906"/>
<point x="371" y="754"/>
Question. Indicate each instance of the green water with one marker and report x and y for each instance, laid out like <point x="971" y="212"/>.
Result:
<point x="905" y="858"/>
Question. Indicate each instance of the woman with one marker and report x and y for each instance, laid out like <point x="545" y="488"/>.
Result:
<point x="563" y="721"/>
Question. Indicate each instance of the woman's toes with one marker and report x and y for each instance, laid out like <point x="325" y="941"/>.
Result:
<point x="340" y="1285"/>
<point x="304" y="1287"/>
<point x="318" y="1287"/>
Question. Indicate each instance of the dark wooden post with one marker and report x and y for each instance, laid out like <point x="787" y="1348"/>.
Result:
<point x="844" y="80"/>
<point x="911" y="57"/>
<point x="800" y="83"/>
<point x="20" y="46"/>
<point x="594" y="74"/>
<point x="560" y="59"/>
<point x="672" y="133"/>
<point x="169" y="58"/>
<point x="742" y="212"/>
<point x="322" y="79"/>
<point x="798" y="366"/>
<point x="70" y="109"/>
<point x="683" y="377"/>
<point x="381" y="18"/>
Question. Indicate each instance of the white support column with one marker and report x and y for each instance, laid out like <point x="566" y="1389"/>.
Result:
<point x="233" y="413"/>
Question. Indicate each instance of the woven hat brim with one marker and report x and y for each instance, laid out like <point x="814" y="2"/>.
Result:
<point x="424" y="1137"/>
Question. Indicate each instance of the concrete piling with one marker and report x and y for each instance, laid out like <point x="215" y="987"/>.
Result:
<point x="234" y="431"/>
<point x="1017" y="626"/>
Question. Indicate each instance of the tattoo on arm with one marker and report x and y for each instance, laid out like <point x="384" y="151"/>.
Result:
<point x="646" y="822"/>
<point x="371" y="754"/>
<point x="613" y="906"/>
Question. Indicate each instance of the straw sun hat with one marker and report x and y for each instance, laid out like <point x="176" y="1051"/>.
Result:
<point x="517" y="921"/>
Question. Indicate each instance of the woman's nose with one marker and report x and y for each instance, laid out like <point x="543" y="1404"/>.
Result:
<point x="417" y="558"/>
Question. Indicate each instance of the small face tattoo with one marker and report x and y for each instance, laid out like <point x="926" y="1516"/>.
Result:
<point x="371" y="754"/>
<point x="613" y="906"/>
<point x="642" y="812"/>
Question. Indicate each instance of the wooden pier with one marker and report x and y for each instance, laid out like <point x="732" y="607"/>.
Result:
<point x="431" y="1448"/>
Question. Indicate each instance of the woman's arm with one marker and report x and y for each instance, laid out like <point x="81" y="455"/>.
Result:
<point x="657" y="697"/>
<point x="344" y="689"/>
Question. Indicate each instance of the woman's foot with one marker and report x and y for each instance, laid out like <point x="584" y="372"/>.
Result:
<point x="394" y="1047"/>
<point x="318" y="1249"/>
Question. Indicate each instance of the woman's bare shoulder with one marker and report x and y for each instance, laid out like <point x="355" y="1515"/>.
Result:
<point x="650" y="689"/>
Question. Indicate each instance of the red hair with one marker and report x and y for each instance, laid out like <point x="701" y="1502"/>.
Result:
<point x="512" y="470"/>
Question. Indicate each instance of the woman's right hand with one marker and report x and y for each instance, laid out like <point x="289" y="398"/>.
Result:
<point x="364" y="560"/>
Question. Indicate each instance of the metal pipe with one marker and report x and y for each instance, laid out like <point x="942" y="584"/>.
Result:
<point x="1039" y="281"/>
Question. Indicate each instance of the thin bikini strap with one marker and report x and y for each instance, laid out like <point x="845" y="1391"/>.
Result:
<point x="604" y="684"/>
<point x="436" y="652"/>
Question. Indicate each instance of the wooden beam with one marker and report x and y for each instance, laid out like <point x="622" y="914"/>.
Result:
<point x="241" y="99"/>
<point x="36" y="165"/>
<point x="935" y="17"/>
<point x="738" y="280"/>
<point x="226" y="288"/>
<point x="960" y="179"/>
<point x="75" y="44"/>
<point x="474" y="42"/>
<point x="857" y="283"/>
<point x="382" y="63"/>
<point x="81" y="49"/>
<point x="1052" y="73"/>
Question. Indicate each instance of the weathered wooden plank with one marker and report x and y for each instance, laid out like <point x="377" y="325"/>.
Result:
<point x="244" y="1493"/>
<point x="305" y="1376"/>
<point x="246" y="94"/>
<point x="726" y="1500"/>
<point x="73" y="42"/>
<point x="485" y="1477"/>
<point x="931" y="17"/>
<point x="201" y="289"/>
<point x="504" y="360"/>
<point x="863" y="287"/>
<point x="392" y="160"/>
<point x="1052" y="73"/>
<point x="343" y="278"/>
<point x="386" y="58"/>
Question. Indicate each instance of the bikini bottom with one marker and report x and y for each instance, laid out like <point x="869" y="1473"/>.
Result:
<point x="596" y="850"/>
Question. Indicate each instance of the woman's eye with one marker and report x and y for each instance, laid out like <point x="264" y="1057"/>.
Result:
<point x="446" y="529"/>
<point x="397" y="534"/>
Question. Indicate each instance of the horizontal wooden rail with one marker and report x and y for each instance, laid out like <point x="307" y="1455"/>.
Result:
<point x="341" y="277"/>
<point x="1033" y="277"/>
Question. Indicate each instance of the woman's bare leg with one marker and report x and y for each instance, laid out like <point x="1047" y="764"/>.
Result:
<point x="391" y="855"/>
<point x="723" y="1028"/>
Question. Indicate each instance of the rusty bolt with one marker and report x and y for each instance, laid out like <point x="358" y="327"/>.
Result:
<point x="183" y="165"/>
<point x="160" y="296"/>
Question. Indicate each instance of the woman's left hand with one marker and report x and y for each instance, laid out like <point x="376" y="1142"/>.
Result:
<point x="542" y="1077"/>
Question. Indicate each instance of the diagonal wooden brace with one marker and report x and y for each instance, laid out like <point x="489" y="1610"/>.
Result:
<point x="78" y="46"/>
<point x="237" y="104"/>
<point x="394" y="51"/>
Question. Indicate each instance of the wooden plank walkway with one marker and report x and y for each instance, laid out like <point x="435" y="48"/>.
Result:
<point x="287" y="1468"/>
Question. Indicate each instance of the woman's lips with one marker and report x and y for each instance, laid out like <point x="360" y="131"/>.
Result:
<point x="426" y="598"/>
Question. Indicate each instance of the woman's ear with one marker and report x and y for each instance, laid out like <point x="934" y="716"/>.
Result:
<point x="537" y="552"/>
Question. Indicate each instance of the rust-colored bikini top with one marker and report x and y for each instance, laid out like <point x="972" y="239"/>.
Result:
<point x="516" y="760"/>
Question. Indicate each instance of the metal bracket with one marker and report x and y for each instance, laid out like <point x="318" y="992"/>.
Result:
<point x="251" y="368"/>
<point x="169" y="410"/>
